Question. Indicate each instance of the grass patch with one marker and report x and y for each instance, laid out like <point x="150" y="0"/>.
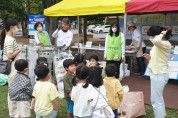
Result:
<point x="62" y="112"/>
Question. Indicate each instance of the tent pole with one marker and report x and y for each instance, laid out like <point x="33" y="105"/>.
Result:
<point x="125" y="23"/>
<point x="78" y="20"/>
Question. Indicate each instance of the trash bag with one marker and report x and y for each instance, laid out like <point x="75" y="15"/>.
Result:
<point x="60" y="71"/>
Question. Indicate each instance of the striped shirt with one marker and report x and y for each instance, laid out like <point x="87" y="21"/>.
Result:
<point x="10" y="46"/>
<point x="20" y="89"/>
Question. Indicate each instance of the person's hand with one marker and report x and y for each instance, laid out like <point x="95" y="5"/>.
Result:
<point x="137" y="48"/>
<point x="59" y="26"/>
<point x="19" y="49"/>
<point x="104" y="58"/>
<point x="90" y="100"/>
<point x="147" y="56"/>
<point x="164" y="32"/>
<point x="122" y="59"/>
<point x="66" y="48"/>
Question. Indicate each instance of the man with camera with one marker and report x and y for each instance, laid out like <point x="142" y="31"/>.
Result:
<point x="63" y="35"/>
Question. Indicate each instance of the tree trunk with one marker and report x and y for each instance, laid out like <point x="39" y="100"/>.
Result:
<point x="85" y="29"/>
<point x="52" y="28"/>
<point x="80" y="25"/>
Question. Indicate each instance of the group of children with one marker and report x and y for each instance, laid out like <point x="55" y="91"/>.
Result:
<point x="87" y="94"/>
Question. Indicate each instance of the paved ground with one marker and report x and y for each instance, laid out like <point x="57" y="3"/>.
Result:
<point x="136" y="83"/>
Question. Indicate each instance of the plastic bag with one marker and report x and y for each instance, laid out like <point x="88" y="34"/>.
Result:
<point x="3" y="79"/>
<point x="60" y="71"/>
<point x="125" y="88"/>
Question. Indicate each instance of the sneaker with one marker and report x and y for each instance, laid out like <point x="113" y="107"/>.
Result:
<point x="137" y="73"/>
<point x="141" y="75"/>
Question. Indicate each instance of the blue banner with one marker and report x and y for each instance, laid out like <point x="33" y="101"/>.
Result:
<point x="34" y="19"/>
<point x="143" y="22"/>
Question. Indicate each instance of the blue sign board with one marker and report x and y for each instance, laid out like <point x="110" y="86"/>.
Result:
<point x="143" y="22"/>
<point x="34" y="19"/>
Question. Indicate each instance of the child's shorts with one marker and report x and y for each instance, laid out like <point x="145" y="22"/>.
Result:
<point x="23" y="108"/>
<point x="53" y="114"/>
<point x="70" y="105"/>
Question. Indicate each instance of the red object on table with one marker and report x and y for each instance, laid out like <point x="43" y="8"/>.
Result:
<point x="40" y="44"/>
<point x="130" y="49"/>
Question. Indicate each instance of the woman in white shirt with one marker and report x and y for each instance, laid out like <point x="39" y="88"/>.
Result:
<point x="10" y="52"/>
<point x="99" y="105"/>
<point x="139" y="46"/>
<point x="114" y="47"/>
<point x="158" y="66"/>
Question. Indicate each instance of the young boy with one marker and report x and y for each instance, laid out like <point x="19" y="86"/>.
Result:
<point x="20" y="89"/>
<point x="45" y="94"/>
<point x="114" y="91"/>
<point x="70" y="67"/>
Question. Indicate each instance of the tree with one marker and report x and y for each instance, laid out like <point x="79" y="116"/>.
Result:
<point x="50" y="22"/>
<point x="20" y="9"/>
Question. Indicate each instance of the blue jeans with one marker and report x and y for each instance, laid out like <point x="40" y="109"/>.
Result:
<point x="82" y="117"/>
<point x="115" y="113"/>
<point x="53" y="114"/>
<point x="158" y="82"/>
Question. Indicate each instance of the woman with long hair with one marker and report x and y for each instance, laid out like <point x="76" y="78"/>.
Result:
<point x="158" y="65"/>
<point x="10" y="52"/>
<point x="114" y="47"/>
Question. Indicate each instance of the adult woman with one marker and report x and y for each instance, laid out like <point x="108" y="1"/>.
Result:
<point x="41" y="36"/>
<point x="99" y="105"/>
<point x="10" y="52"/>
<point x="139" y="46"/>
<point x="158" y="65"/>
<point x="114" y="47"/>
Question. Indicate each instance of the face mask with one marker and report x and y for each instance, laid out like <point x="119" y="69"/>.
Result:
<point x="15" y="31"/>
<point x="40" y="29"/>
<point x="114" y="29"/>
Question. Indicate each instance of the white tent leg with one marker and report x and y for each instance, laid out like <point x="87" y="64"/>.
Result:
<point x="78" y="20"/>
<point x="125" y="24"/>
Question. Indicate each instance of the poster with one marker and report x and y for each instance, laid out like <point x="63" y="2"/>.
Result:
<point x="144" y="21"/>
<point x="172" y="67"/>
<point x="34" y="19"/>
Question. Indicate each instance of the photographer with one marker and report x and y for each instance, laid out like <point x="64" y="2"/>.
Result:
<point x="158" y="65"/>
<point x="63" y="35"/>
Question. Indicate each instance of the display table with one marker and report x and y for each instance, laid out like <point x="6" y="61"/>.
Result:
<point x="128" y="54"/>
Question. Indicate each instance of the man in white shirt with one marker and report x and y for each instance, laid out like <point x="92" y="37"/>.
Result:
<point x="63" y="35"/>
<point x="139" y="46"/>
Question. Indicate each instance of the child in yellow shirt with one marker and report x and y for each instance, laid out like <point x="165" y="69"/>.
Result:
<point x="114" y="91"/>
<point x="45" y="94"/>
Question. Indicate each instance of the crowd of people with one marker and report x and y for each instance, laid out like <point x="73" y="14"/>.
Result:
<point x="87" y="93"/>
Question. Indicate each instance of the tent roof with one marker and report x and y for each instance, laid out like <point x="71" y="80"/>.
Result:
<point x="85" y="7"/>
<point x="140" y="6"/>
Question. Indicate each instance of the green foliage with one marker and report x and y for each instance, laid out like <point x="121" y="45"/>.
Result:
<point x="108" y="23"/>
<point x="102" y="23"/>
<point x="20" y="9"/>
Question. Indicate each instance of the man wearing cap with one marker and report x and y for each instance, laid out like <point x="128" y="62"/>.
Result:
<point x="63" y="35"/>
<point x="139" y="46"/>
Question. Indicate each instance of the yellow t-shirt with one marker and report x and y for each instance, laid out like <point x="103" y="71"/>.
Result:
<point x="114" y="92"/>
<point x="44" y="93"/>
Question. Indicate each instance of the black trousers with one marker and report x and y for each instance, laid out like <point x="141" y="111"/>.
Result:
<point x="141" y="62"/>
<point x="117" y="64"/>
